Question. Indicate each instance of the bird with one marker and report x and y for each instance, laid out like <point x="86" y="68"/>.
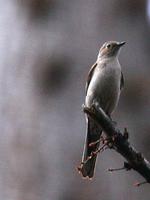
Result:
<point x="103" y="87"/>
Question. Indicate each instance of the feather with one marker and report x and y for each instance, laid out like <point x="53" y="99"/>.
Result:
<point x="90" y="74"/>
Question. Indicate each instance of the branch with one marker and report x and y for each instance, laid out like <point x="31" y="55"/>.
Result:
<point x="121" y="144"/>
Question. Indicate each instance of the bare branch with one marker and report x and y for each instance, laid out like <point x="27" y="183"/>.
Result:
<point x="121" y="144"/>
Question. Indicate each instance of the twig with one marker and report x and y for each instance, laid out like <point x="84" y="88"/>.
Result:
<point x="121" y="144"/>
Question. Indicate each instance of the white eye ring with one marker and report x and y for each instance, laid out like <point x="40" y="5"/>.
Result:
<point x="108" y="46"/>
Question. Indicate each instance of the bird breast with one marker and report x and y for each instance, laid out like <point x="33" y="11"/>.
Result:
<point x="105" y="85"/>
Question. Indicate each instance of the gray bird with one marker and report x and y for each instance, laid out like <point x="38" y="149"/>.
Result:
<point x="103" y="86"/>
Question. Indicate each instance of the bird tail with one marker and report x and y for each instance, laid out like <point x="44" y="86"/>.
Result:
<point x="93" y="134"/>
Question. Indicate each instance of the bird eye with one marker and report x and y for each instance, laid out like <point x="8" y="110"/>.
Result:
<point x="108" y="46"/>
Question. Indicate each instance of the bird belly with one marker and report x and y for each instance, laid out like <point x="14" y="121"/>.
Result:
<point x="104" y="88"/>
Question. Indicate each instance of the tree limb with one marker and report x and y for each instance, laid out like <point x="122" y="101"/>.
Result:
<point x="120" y="143"/>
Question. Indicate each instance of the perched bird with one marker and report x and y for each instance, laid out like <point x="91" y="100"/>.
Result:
<point x="103" y="86"/>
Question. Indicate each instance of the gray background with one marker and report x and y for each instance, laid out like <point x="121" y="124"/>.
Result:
<point x="46" y="50"/>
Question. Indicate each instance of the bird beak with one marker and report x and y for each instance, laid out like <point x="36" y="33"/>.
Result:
<point x="120" y="44"/>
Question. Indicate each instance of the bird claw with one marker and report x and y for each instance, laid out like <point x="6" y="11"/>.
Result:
<point x="95" y="105"/>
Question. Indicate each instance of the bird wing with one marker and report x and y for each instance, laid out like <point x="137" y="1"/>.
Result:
<point x="90" y="74"/>
<point x="122" y="81"/>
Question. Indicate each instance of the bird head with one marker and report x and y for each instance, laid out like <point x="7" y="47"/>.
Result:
<point x="110" y="49"/>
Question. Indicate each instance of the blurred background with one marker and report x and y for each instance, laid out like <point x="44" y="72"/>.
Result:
<point x="46" y="50"/>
